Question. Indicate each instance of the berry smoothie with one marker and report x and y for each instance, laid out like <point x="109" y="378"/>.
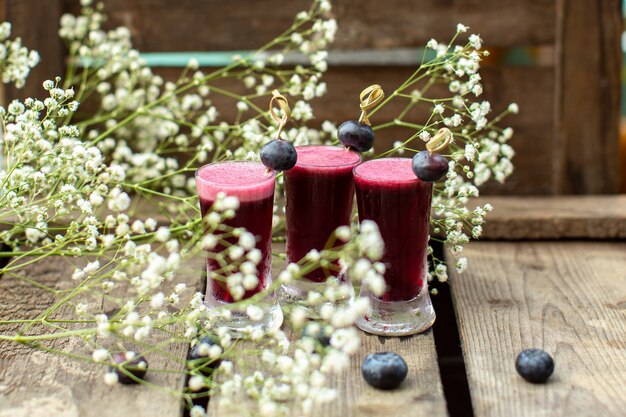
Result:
<point x="319" y="195"/>
<point x="253" y="185"/>
<point x="389" y="193"/>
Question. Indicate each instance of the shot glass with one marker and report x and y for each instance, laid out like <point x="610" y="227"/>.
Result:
<point x="253" y="186"/>
<point x="389" y="194"/>
<point x="319" y="193"/>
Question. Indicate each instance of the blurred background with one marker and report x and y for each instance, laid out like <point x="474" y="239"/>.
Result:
<point x="559" y="60"/>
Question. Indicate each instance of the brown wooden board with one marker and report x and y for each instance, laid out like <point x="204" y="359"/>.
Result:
<point x="209" y="25"/>
<point x="563" y="217"/>
<point x="35" y="383"/>
<point x="587" y="97"/>
<point x="37" y="23"/>
<point x="564" y="297"/>
<point x="420" y="394"/>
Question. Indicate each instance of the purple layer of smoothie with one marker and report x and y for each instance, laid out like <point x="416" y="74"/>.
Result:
<point x="319" y="195"/>
<point x="389" y="193"/>
<point x="254" y="187"/>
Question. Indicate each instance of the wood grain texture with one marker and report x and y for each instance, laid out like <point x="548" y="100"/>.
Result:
<point x="37" y="23"/>
<point x="211" y="25"/>
<point x="558" y="217"/>
<point x="587" y="97"/>
<point x="34" y="383"/>
<point x="567" y="298"/>
<point x="420" y="394"/>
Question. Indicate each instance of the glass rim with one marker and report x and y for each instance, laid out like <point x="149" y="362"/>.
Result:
<point x="305" y="164"/>
<point x="271" y="175"/>
<point x="355" y="172"/>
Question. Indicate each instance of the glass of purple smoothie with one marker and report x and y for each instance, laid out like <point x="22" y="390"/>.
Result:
<point x="319" y="194"/>
<point x="389" y="193"/>
<point x="253" y="185"/>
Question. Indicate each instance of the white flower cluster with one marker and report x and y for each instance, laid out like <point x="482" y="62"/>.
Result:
<point x="16" y="60"/>
<point x="479" y="150"/>
<point x="143" y="120"/>
<point x="69" y="186"/>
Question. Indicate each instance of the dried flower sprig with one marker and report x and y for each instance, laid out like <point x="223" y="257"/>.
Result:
<point x="75" y="184"/>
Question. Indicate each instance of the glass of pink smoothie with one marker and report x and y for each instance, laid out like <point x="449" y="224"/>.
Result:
<point x="389" y="193"/>
<point x="253" y="186"/>
<point x="319" y="194"/>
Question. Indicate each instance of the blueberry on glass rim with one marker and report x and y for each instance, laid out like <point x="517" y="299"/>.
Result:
<point x="429" y="167"/>
<point x="355" y="135"/>
<point x="534" y="365"/>
<point x="279" y="155"/>
<point x="129" y="363"/>
<point x="384" y="370"/>
<point x="358" y="135"/>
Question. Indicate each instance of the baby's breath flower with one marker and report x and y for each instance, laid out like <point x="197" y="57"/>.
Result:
<point x="111" y="378"/>
<point x="100" y="355"/>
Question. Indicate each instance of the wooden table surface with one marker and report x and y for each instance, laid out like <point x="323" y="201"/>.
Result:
<point x="555" y="280"/>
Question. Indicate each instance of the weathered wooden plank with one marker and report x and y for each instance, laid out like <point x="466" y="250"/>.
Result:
<point x="420" y="393"/>
<point x="587" y="97"/>
<point x="564" y="297"/>
<point x="204" y="25"/>
<point x="35" y="383"/>
<point x="37" y="23"/>
<point x="562" y="217"/>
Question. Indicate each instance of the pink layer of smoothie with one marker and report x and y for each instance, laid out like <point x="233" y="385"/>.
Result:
<point x="254" y="187"/>
<point x="246" y="180"/>
<point x="389" y="193"/>
<point x="324" y="157"/>
<point x="319" y="194"/>
<point x="387" y="170"/>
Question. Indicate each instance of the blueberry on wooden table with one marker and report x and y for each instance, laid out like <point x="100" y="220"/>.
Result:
<point x="429" y="167"/>
<point x="279" y="155"/>
<point x="384" y="370"/>
<point x="534" y="365"/>
<point x="199" y="356"/>
<point x="356" y="135"/>
<point x="129" y="363"/>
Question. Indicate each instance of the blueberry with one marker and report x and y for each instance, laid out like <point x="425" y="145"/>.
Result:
<point x="384" y="370"/>
<point x="279" y="155"/>
<point x="356" y="135"/>
<point x="199" y="359"/>
<point x="318" y="332"/>
<point x="429" y="167"/>
<point x="132" y="363"/>
<point x="534" y="365"/>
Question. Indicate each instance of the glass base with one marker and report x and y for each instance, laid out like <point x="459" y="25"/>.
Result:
<point x="297" y="292"/>
<point x="398" y="318"/>
<point x="239" y="323"/>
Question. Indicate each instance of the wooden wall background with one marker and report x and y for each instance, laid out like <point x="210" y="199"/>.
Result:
<point x="567" y="129"/>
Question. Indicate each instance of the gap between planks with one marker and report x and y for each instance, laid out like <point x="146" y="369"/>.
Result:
<point x="568" y="298"/>
<point x="420" y="394"/>
<point x="34" y="383"/>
